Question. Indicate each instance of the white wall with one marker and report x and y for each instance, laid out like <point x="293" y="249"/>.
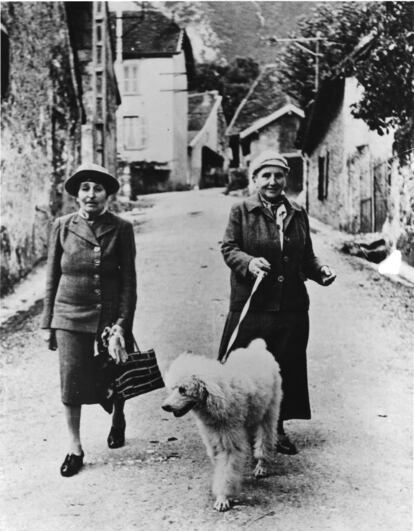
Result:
<point x="179" y="119"/>
<point x="357" y="132"/>
<point x="154" y="102"/>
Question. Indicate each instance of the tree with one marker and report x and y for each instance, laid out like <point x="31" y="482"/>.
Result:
<point x="232" y="81"/>
<point x="385" y="70"/>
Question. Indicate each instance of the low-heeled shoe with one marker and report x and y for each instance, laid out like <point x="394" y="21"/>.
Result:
<point x="71" y="465"/>
<point x="285" y="446"/>
<point x="116" y="437"/>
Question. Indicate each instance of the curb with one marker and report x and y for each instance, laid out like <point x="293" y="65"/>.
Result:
<point x="405" y="276"/>
<point x="28" y="293"/>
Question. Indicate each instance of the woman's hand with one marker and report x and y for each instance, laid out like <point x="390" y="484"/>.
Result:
<point x="259" y="265"/>
<point x="116" y="345"/>
<point x="328" y="275"/>
<point x="49" y="337"/>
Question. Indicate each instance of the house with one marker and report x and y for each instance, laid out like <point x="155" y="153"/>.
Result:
<point x="154" y="65"/>
<point x="58" y="110"/>
<point x="206" y="139"/>
<point x="268" y="119"/>
<point x="94" y="46"/>
<point x="347" y="169"/>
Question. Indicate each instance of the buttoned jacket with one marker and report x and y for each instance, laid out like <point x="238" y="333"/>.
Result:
<point x="252" y="232"/>
<point x="91" y="276"/>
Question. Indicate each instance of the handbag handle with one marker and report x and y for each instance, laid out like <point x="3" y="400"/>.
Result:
<point x="246" y="306"/>
<point x="136" y="347"/>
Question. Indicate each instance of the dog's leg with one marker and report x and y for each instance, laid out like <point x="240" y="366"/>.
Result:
<point x="228" y="471"/>
<point x="264" y="440"/>
<point x="260" y="450"/>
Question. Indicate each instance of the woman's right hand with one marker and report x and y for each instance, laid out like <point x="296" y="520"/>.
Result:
<point x="259" y="265"/>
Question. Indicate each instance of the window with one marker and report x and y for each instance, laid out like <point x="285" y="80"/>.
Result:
<point x="99" y="143"/>
<point x="99" y="32"/>
<point x="99" y="83"/>
<point x="99" y="109"/>
<point x="323" y="176"/>
<point x="5" y="62"/>
<point x="134" y="132"/>
<point x="99" y="55"/>
<point x="131" y="79"/>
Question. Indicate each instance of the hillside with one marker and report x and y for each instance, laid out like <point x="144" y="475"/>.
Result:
<point x="243" y="28"/>
<point x="224" y="30"/>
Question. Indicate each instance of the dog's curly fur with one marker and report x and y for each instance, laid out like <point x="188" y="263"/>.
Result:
<point x="236" y="406"/>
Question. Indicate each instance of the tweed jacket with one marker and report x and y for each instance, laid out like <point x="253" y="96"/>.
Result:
<point x="252" y="232"/>
<point x="91" y="278"/>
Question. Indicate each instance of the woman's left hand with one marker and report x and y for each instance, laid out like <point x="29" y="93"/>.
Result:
<point x="116" y="346"/>
<point x="328" y="275"/>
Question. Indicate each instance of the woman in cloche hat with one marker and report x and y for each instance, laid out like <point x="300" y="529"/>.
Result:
<point x="91" y="284"/>
<point x="267" y="234"/>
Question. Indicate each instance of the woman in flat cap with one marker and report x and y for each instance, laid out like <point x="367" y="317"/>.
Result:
<point x="91" y="284"/>
<point x="269" y="234"/>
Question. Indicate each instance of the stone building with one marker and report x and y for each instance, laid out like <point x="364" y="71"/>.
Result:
<point x="50" y="118"/>
<point x="354" y="178"/>
<point x="346" y="162"/>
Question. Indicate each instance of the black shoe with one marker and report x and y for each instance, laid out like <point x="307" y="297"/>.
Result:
<point x="285" y="446"/>
<point x="116" y="437"/>
<point x="71" y="465"/>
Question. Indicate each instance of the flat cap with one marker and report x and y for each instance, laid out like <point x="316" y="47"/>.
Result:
<point x="268" y="158"/>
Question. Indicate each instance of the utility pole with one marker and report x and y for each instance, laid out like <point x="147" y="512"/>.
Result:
<point x="317" y="40"/>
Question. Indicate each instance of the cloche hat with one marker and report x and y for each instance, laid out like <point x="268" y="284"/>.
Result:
<point x="94" y="172"/>
<point x="268" y="158"/>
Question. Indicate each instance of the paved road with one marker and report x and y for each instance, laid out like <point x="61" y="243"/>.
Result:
<point x="354" y="466"/>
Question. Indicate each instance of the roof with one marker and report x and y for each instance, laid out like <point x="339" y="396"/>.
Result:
<point x="263" y="122"/>
<point x="149" y="33"/>
<point x="200" y="107"/>
<point x="263" y="100"/>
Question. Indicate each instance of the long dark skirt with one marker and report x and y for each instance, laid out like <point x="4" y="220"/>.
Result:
<point x="77" y="369"/>
<point x="286" y="335"/>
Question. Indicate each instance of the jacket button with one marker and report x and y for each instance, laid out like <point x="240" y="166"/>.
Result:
<point x="98" y="291"/>
<point x="97" y="262"/>
<point x="280" y="278"/>
<point x="99" y="306"/>
<point x="97" y="249"/>
<point x="286" y="259"/>
<point x="96" y="277"/>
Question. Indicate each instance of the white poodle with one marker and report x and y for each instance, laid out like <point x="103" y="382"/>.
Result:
<point x="236" y="406"/>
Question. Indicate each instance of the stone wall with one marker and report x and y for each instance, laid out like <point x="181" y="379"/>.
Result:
<point x="399" y="224"/>
<point x="40" y="132"/>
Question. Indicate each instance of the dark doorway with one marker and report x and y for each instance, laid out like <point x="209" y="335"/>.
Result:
<point x="295" y="177"/>
<point x="211" y="168"/>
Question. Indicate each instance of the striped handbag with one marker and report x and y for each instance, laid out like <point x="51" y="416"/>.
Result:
<point x="138" y="375"/>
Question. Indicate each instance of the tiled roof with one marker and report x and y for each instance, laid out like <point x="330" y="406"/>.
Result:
<point x="148" y="32"/>
<point x="264" y="98"/>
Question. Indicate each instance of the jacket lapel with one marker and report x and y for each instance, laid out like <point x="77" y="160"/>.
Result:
<point x="104" y="224"/>
<point x="254" y="202"/>
<point x="293" y="207"/>
<point x="81" y="228"/>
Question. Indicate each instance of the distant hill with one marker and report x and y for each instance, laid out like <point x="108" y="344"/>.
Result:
<point x="244" y="28"/>
<point x="230" y="29"/>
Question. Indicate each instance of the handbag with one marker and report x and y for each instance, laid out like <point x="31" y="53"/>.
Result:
<point x="138" y="375"/>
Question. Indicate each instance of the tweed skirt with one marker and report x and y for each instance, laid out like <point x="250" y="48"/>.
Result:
<point x="286" y="335"/>
<point x="77" y="370"/>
